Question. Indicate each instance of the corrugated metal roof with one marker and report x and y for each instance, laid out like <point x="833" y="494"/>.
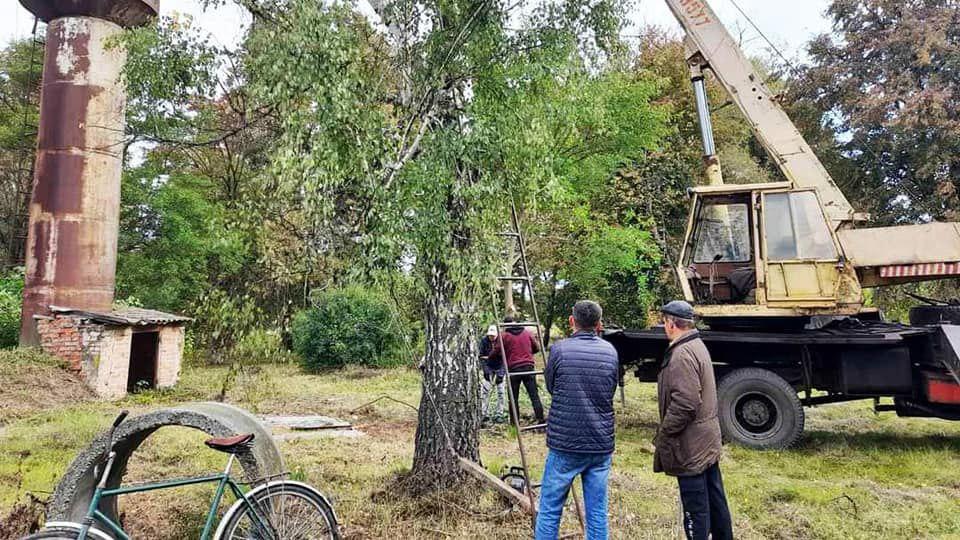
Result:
<point x="127" y="316"/>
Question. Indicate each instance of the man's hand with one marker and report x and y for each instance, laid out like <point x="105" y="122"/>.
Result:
<point x="655" y="442"/>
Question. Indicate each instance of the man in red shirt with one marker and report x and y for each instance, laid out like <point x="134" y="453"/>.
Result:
<point x="520" y="345"/>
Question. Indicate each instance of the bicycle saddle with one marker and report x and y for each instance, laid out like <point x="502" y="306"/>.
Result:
<point x="231" y="445"/>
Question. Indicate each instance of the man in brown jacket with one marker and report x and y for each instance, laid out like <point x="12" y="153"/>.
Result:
<point x="688" y="443"/>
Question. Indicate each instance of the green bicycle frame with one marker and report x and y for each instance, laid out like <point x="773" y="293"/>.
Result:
<point x="222" y="480"/>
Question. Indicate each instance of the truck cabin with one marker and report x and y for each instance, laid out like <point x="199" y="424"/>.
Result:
<point x="763" y="244"/>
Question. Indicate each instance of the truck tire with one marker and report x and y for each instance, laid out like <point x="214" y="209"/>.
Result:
<point x="759" y="409"/>
<point x="930" y="315"/>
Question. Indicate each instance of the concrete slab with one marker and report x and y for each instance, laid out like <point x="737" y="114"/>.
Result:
<point x="320" y="434"/>
<point x="312" y="422"/>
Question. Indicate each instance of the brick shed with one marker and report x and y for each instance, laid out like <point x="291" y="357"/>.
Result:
<point x="119" y="351"/>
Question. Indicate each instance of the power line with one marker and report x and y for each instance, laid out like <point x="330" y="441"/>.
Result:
<point x="765" y="38"/>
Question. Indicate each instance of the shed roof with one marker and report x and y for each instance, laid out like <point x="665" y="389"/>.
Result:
<point x="127" y="316"/>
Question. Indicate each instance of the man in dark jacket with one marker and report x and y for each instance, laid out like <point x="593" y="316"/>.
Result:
<point x="688" y="443"/>
<point x="582" y="375"/>
<point x="518" y="345"/>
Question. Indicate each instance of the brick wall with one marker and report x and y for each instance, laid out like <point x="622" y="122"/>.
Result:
<point x="111" y="378"/>
<point x="101" y="354"/>
<point x="91" y="337"/>
<point x="60" y="337"/>
<point x="169" y="355"/>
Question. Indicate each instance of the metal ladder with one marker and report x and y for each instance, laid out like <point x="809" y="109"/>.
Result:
<point x="526" y="280"/>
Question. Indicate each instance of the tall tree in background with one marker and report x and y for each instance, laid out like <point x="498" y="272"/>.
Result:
<point x="21" y="64"/>
<point x="886" y="85"/>
<point x="404" y="145"/>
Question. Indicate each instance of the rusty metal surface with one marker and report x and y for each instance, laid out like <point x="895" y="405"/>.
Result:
<point x="126" y="13"/>
<point x="74" y="212"/>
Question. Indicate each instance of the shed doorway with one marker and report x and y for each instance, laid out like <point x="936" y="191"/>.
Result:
<point x="143" y="361"/>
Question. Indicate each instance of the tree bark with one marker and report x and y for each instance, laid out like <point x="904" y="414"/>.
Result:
<point x="509" y="307"/>
<point x="449" y="420"/>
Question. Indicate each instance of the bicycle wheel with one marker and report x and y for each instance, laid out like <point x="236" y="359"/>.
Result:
<point x="292" y="511"/>
<point x="65" y="533"/>
<point x="52" y="534"/>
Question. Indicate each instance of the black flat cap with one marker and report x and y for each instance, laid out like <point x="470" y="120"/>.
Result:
<point x="679" y="309"/>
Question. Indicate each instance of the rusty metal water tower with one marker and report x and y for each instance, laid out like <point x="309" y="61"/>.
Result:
<point x="71" y="253"/>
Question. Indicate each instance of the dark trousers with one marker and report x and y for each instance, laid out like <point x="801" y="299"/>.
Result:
<point x="705" y="510"/>
<point x="530" y="383"/>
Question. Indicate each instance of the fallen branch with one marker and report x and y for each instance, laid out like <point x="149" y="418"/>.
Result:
<point x="856" y="510"/>
<point x="387" y="398"/>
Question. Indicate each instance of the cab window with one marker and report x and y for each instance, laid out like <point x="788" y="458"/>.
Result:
<point x="796" y="228"/>
<point x="724" y="232"/>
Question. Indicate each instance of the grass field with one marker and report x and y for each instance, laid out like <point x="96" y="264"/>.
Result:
<point x="854" y="475"/>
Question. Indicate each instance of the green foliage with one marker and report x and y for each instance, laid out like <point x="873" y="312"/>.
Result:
<point x="11" y="295"/>
<point x="615" y="265"/>
<point x="21" y="62"/>
<point x="884" y="85"/>
<point x="201" y="212"/>
<point x="222" y="322"/>
<point x="353" y="325"/>
<point x="173" y="239"/>
<point x="260" y="346"/>
<point x="171" y="73"/>
<point x="28" y="356"/>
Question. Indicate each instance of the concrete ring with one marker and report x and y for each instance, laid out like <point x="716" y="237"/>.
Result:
<point x="71" y="499"/>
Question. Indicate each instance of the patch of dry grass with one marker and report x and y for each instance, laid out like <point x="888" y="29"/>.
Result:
<point x="31" y="382"/>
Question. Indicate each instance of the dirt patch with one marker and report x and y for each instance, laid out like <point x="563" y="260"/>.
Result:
<point x="23" y="519"/>
<point x="28" y="387"/>
<point x="388" y="430"/>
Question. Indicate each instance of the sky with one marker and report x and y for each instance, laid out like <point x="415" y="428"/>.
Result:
<point x="789" y="25"/>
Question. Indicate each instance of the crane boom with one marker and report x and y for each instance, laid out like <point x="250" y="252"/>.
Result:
<point x="717" y="50"/>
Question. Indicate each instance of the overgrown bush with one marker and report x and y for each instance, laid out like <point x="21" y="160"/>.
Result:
<point x="352" y="325"/>
<point x="261" y="346"/>
<point x="11" y="291"/>
<point x="221" y="321"/>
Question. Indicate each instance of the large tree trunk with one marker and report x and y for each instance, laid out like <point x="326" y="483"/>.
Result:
<point x="450" y="388"/>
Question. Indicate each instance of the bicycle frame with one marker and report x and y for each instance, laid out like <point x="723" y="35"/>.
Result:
<point x="222" y="480"/>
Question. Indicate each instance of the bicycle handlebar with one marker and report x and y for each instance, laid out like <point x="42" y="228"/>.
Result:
<point x="107" y="457"/>
<point x="116" y="423"/>
<point x="120" y="418"/>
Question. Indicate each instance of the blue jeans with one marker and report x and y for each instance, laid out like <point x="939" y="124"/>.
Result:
<point x="558" y="475"/>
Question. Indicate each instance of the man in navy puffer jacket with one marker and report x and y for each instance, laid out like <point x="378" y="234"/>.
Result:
<point x="582" y="375"/>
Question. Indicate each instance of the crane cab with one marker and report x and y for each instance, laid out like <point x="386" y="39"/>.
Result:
<point x="764" y="251"/>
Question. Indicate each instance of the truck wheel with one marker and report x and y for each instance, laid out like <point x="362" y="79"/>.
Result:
<point x="759" y="409"/>
<point x="929" y="315"/>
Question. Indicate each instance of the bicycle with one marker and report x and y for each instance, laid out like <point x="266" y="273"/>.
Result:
<point x="274" y="510"/>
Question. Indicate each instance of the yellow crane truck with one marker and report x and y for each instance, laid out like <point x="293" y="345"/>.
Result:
<point x="777" y="272"/>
